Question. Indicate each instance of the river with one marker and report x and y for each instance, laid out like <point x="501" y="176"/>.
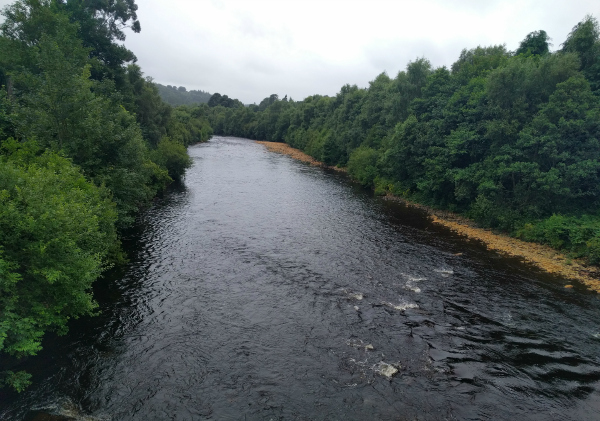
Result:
<point x="267" y="289"/>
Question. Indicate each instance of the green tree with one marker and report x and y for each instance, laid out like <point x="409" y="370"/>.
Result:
<point x="57" y="231"/>
<point x="584" y="40"/>
<point x="57" y="106"/>
<point x="101" y="27"/>
<point x="536" y="42"/>
<point x="173" y="156"/>
<point x="558" y="169"/>
<point x="362" y="166"/>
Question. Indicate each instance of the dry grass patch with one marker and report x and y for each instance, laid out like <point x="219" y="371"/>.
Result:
<point x="284" y="148"/>
<point x="541" y="256"/>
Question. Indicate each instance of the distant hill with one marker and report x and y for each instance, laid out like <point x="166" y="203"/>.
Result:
<point x="180" y="96"/>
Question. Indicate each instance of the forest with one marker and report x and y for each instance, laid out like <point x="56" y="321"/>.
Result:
<point x="509" y="139"/>
<point x="85" y="143"/>
<point x="175" y="96"/>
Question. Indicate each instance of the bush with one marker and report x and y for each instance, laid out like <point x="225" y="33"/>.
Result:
<point x="172" y="156"/>
<point x="362" y="166"/>
<point x="579" y="236"/>
<point x="57" y="231"/>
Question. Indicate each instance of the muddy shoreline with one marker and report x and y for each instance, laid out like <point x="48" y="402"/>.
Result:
<point x="541" y="256"/>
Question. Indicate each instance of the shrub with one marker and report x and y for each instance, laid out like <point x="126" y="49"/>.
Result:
<point x="362" y="166"/>
<point x="173" y="156"/>
<point x="57" y="231"/>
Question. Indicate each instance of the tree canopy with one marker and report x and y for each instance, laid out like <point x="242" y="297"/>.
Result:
<point x="537" y="42"/>
<point x="507" y="138"/>
<point x="85" y="143"/>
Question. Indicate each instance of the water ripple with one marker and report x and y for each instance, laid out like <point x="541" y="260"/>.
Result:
<point x="265" y="288"/>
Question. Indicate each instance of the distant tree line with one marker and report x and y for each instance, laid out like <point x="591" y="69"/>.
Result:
<point x="510" y="139"/>
<point x="85" y="142"/>
<point x="224" y="101"/>
<point x="175" y="96"/>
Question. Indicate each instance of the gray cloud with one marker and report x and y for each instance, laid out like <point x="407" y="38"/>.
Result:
<point x="305" y="48"/>
<point x="251" y="49"/>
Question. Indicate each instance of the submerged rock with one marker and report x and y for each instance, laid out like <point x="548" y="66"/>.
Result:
<point x="401" y="307"/>
<point x="387" y="370"/>
<point x="358" y="343"/>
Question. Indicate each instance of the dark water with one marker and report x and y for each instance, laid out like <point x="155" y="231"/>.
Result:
<point x="241" y="301"/>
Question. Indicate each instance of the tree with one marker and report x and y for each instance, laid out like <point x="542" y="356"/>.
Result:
<point x="584" y="40"/>
<point x="58" y="108"/>
<point x="79" y="167"/>
<point x="57" y="231"/>
<point x="173" y="156"/>
<point x="362" y="166"/>
<point x="214" y="100"/>
<point x="536" y="42"/>
<point x="473" y="63"/>
<point x="268" y="101"/>
<point x="561" y="146"/>
<point x="101" y="24"/>
<point x="223" y="100"/>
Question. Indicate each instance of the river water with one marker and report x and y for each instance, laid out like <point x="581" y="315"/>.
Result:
<point x="267" y="289"/>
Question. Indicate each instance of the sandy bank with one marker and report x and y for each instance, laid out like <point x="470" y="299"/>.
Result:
<point x="286" y="149"/>
<point x="539" y="255"/>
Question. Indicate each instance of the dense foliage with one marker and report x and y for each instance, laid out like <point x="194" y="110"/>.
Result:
<point x="224" y="101"/>
<point x="175" y="96"/>
<point x="511" y="139"/>
<point x="57" y="232"/>
<point x="85" y="142"/>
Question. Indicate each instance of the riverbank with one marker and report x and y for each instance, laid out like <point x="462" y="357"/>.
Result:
<point x="286" y="149"/>
<point x="541" y="256"/>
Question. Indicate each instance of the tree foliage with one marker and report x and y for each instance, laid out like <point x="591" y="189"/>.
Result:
<point x="510" y="139"/>
<point x="224" y="101"/>
<point x="57" y="232"/>
<point x="175" y="96"/>
<point x="537" y="42"/>
<point x="85" y="143"/>
<point x="584" y="40"/>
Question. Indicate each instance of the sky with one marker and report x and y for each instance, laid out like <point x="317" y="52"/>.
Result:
<point x="251" y="49"/>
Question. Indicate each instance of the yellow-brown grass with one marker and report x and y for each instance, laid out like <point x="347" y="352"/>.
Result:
<point x="543" y="257"/>
<point x="286" y="149"/>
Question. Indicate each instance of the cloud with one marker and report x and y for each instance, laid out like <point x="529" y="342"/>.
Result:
<point x="251" y="49"/>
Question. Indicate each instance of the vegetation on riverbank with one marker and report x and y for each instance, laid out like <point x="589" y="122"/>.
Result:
<point x="508" y="139"/>
<point x="542" y="256"/>
<point x="85" y="142"/>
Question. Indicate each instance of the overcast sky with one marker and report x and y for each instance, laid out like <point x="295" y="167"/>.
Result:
<point x="249" y="49"/>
